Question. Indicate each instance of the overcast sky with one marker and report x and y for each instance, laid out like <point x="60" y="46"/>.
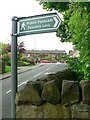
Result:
<point x="24" y="8"/>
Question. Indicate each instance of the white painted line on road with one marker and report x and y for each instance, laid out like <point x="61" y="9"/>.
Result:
<point x="23" y="83"/>
<point x="47" y="68"/>
<point x="18" y="86"/>
<point x="8" y="91"/>
<point x="47" y="73"/>
<point x="38" y="74"/>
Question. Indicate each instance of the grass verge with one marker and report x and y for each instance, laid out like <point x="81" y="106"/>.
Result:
<point x="7" y="68"/>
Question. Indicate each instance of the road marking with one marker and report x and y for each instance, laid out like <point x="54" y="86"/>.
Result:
<point x="23" y="83"/>
<point x="47" y="68"/>
<point x="38" y="74"/>
<point x="8" y="91"/>
<point x="18" y="86"/>
<point x="49" y="73"/>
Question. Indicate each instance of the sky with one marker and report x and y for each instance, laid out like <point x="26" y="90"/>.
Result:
<point x="24" y="8"/>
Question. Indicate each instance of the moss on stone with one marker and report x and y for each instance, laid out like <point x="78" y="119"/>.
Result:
<point x="51" y="92"/>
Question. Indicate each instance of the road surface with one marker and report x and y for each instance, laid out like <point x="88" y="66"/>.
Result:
<point x="33" y="74"/>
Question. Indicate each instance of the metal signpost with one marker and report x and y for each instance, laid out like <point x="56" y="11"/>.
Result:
<point x="25" y="26"/>
<point x="14" y="67"/>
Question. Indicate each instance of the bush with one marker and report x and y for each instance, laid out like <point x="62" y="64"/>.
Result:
<point x="6" y="59"/>
<point x="26" y="63"/>
<point x="7" y="68"/>
<point x="24" y="58"/>
<point x="9" y="62"/>
<point x="75" y="66"/>
<point x="21" y="63"/>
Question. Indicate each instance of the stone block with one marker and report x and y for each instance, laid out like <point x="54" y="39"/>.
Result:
<point x="46" y="110"/>
<point x="56" y="111"/>
<point x="31" y="94"/>
<point x="81" y="111"/>
<point x="70" y="92"/>
<point x="51" y="92"/>
<point x="85" y="87"/>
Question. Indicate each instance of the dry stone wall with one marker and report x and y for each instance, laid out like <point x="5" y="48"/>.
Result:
<point x="54" y="98"/>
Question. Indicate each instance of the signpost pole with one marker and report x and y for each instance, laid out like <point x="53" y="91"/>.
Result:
<point x="32" y="25"/>
<point x="14" y="67"/>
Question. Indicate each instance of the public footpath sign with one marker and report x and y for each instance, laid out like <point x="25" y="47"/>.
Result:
<point x="26" y="26"/>
<point x="39" y="24"/>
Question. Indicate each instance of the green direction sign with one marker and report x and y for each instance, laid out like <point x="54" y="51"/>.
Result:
<point x="39" y="24"/>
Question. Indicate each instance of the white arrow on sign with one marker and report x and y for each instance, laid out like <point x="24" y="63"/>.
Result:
<point x="56" y="21"/>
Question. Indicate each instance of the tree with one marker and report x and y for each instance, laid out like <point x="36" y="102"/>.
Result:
<point x="75" y="28"/>
<point x="8" y="48"/>
<point x="2" y="48"/>
<point x="20" y="47"/>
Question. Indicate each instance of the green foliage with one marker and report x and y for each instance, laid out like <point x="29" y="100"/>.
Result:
<point x="65" y="57"/>
<point x="19" y="57"/>
<point x="26" y="63"/>
<point x="9" y="62"/>
<point x="6" y="59"/>
<point x="75" y="66"/>
<point x="2" y="48"/>
<point x="61" y="7"/>
<point x="22" y="63"/>
<point x="7" y="68"/>
<point x="24" y="58"/>
<point x="79" y="29"/>
<point x="62" y="58"/>
<point x="48" y="57"/>
<point x="75" y="28"/>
